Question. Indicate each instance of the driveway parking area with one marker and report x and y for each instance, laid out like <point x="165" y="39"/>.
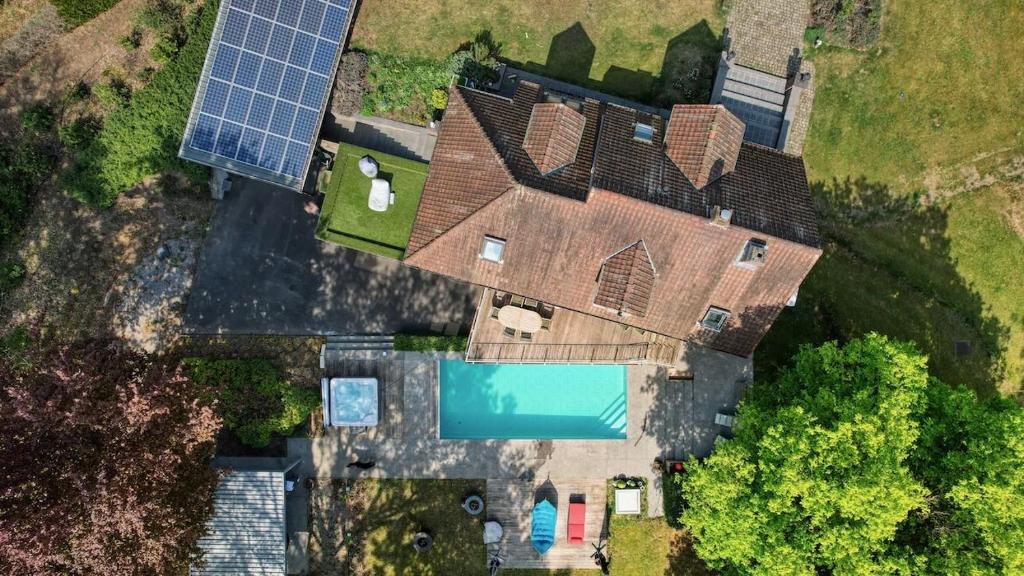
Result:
<point x="262" y="271"/>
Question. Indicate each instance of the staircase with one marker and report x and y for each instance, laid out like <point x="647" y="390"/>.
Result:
<point x="342" y="344"/>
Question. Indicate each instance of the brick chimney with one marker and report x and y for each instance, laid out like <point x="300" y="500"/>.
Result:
<point x="703" y="140"/>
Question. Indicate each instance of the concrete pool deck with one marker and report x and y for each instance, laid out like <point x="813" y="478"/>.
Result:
<point x="666" y="419"/>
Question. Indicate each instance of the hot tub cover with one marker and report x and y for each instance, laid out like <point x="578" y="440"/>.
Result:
<point x="349" y="401"/>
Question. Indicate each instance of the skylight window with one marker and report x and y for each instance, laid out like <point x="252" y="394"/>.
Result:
<point x="715" y="319"/>
<point x="493" y="249"/>
<point x="643" y="132"/>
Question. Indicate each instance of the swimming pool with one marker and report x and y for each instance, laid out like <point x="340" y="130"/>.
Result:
<point x="532" y="401"/>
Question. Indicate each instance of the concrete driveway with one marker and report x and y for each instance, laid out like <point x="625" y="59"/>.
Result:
<point x="262" y="271"/>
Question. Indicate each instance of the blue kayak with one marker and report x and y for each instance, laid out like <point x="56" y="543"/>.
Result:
<point x="543" y="533"/>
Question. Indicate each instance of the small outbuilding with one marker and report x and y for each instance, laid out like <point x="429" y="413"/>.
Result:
<point x="247" y="532"/>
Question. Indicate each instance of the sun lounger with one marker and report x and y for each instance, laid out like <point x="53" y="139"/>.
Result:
<point x="577" y="517"/>
<point x="542" y="534"/>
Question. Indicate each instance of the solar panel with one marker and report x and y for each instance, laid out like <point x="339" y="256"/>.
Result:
<point x="265" y="85"/>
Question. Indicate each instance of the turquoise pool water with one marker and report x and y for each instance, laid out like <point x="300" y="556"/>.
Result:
<point x="532" y="401"/>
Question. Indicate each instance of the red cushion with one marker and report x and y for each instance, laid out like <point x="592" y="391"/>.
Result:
<point x="577" y="518"/>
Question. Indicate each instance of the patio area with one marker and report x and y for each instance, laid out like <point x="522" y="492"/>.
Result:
<point x="666" y="418"/>
<point x="510" y="502"/>
<point x="559" y="336"/>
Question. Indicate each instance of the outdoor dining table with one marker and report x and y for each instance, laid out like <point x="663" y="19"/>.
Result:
<point x="519" y="318"/>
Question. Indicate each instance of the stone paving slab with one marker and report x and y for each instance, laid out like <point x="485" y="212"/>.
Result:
<point x="666" y="419"/>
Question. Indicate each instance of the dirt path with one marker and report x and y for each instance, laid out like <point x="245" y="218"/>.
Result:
<point x="82" y="54"/>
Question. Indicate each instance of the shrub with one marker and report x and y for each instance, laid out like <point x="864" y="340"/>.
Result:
<point x="11" y="275"/>
<point x="133" y="40"/>
<point x="80" y="132"/>
<point x="78" y="92"/>
<point x="401" y="88"/>
<point x="113" y="95"/>
<point x="164" y="50"/>
<point x="853" y="23"/>
<point x="420" y="343"/>
<point x="77" y="12"/>
<point x="439" y="99"/>
<point x="253" y="399"/>
<point x="142" y="139"/>
<point x="37" y="117"/>
<point x="25" y="163"/>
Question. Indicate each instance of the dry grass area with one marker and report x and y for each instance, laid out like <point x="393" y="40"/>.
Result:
<point x="79" y="262"/>
<point x="14" y="13"/>
<point x="83" y="54"/>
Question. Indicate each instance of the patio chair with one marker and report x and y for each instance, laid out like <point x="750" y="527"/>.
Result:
<point x="494" y="312"/>
<point x="545" y="323"/>
<point x="526" y="336"/>
<point x="530" y="303"/>
<point x="577" y="522"/>
<point x="518" y="301"/>
<point x="508" y="332"/>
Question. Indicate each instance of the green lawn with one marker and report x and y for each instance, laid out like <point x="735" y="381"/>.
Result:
<point x="663" y="49"/>
<point x="347" y="220"/>
<point x="934" y="106"/>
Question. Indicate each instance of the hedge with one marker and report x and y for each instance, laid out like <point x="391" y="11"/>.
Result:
<point x="252" y="397"/>
<point x="142" y="139"/>
<point x="418" y="343"/>
<point x="78" y="12"/>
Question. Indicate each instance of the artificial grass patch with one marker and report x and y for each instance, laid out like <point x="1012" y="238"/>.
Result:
<point x="346" y="218"/>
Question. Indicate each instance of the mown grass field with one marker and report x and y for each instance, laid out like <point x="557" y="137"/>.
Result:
<point x="644" y="50"/>
<point x="914" y="152"/>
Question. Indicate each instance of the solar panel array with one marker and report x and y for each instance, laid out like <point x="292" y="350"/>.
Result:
<point x="265" y="84"/>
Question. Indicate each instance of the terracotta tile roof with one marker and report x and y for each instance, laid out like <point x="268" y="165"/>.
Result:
<point x="626" y="279"/>
<point x="561" y="229"/>
<point x="703" y="141"/>
<point x="466" y="174"/>
<point x="505" y="121"/>
<point x="553" y="136"/>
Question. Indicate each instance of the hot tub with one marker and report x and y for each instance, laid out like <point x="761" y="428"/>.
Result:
<point x="349" y="401"/>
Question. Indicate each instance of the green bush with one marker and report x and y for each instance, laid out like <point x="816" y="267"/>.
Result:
<point x="25" y="162"/>
<point x="254" y="400"/>
<point x="142" y="139"/>
<point x="418" y="343"/>
<point x="401" y="88"/>
<point x="113" y="95"/>
<point x="77" y="12"/>
<point x="80" y="132"/>
<point x="133" y="40"/>
<point x="37" y="117"/>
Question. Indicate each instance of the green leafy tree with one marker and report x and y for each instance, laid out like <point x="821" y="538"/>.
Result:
<point x="971" y="457"/>
<point x="817" y="479"/>
<point x="255" y="401"/>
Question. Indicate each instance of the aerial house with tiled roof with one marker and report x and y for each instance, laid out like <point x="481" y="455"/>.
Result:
<point x="602" y="233"/>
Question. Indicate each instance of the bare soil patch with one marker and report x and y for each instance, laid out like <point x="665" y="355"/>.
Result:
<point x="89" y="271"/>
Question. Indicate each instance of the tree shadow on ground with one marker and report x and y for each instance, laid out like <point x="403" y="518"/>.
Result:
<point x="887" y="267"/>
<point x="682" y="559"/>
<point x="686" y="75"/>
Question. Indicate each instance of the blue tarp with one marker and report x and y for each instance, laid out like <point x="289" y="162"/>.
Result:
<point x="543" y="533"/>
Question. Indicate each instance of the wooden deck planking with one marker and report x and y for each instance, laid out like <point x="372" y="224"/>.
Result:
<point x="390" y="374"/>
<point x="573" y="337"/>
<point x="510" y="502"/>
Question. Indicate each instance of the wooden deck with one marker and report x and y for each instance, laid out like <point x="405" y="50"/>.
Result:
<point x="390" y="374"/>
<point x="573" y="337"/>
<point x="510" y="502"/>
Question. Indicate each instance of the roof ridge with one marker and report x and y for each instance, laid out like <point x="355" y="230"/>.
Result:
<point x="483" y="132"/>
